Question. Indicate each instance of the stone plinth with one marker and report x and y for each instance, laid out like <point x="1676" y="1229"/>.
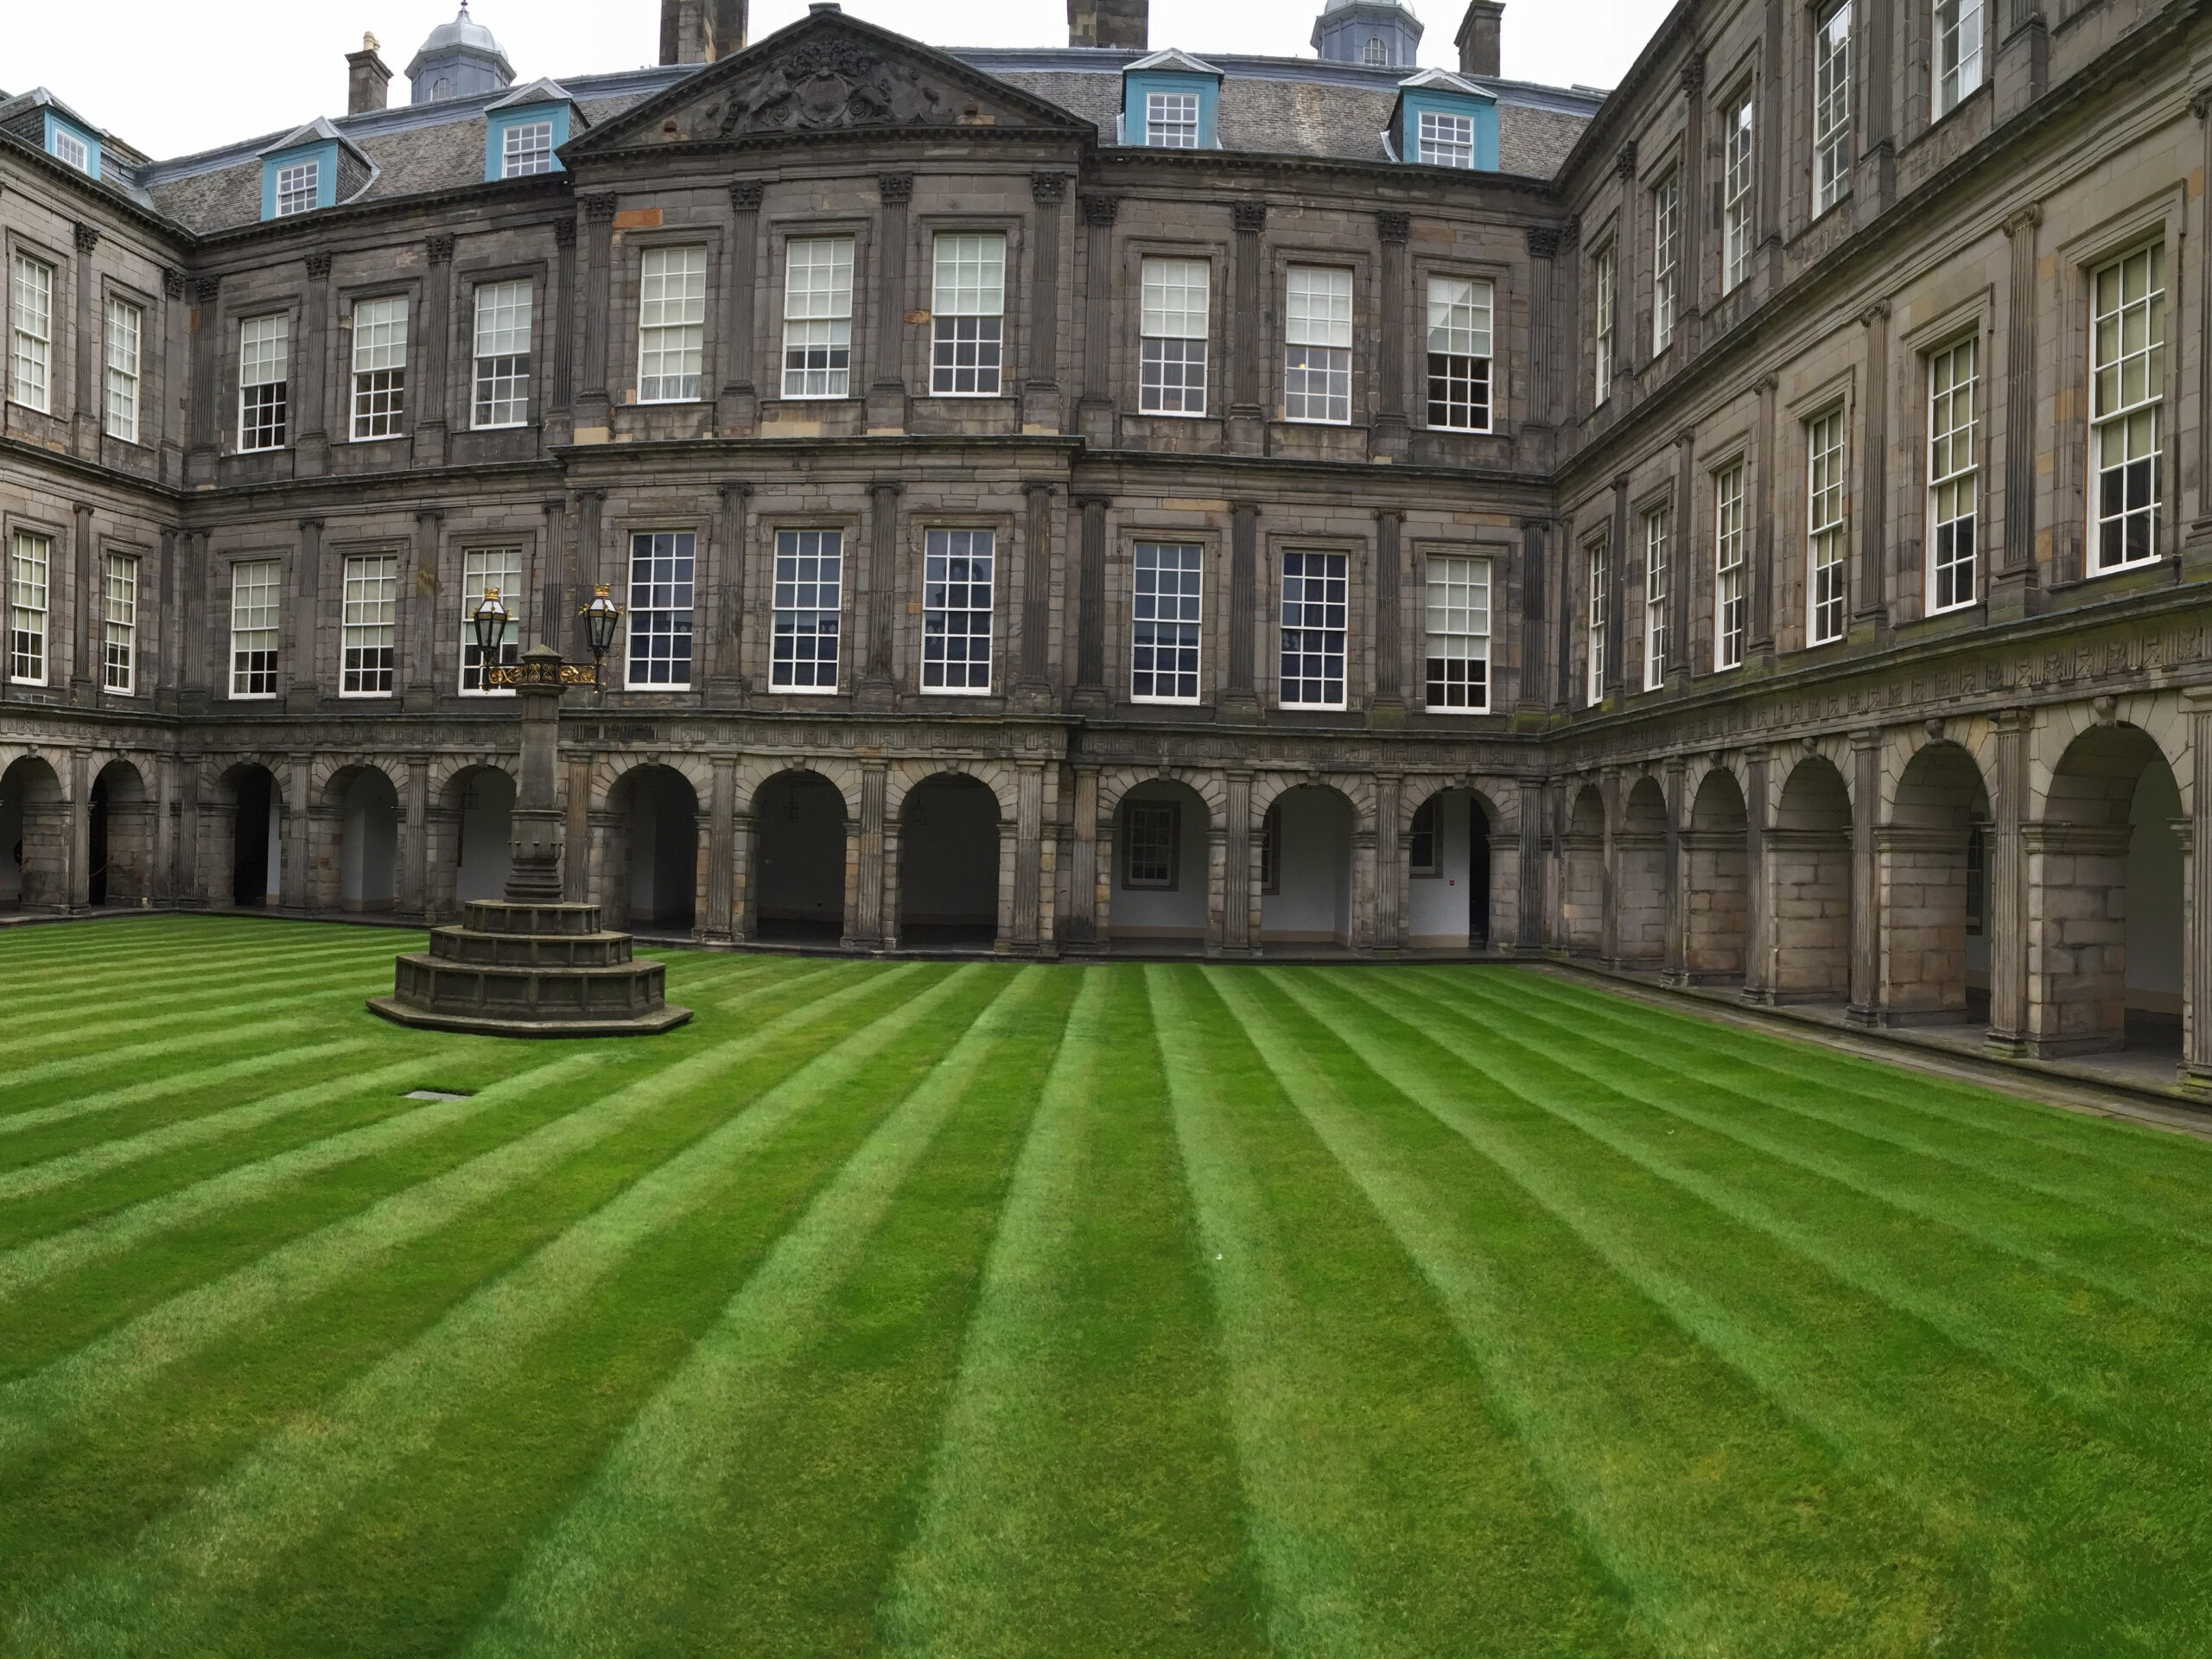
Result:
<point x="514" y="970"/>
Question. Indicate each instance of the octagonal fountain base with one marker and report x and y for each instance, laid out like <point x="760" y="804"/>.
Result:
<point x="530" y="970"/>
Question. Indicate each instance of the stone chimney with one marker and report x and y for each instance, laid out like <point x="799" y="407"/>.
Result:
<point x="367" y="79"/>
<point x="1109" y="22"/>
<point x="699" y="31"/>
<point x="1478" y="38"/>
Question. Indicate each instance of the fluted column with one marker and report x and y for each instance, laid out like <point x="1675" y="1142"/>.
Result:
<point x="1543" y="257"/>
<point x="1241" y="700"/>
<point x="1096" y="413"/>
<point x="1037" y="594"/>
<point x="432" y="394"/>
<point x="1529" y="922"/>
<point x="1758" y="900"/>
<point x="1870" y="604"/>
<point x="1236" y="896"/>
<point x="1534" y="556"/>
<point x="1675" y="971"/>
<point x="591" y="408"/>
<point x="1393" y="423"/>
<point x="2013" y="586"/>
<point x="738" y="407"/>
<point x="886" y="397"/>
<point x="725" y="665"/>
<point x="1248" y="329"/>
<point x="207" y="424"/>
<point x="1028" y="932"/>
<point x="311" y="374"/>
<point x="91" y="402"/>
<point x="1082" y="931"/>
<point x="1091" y="692"/>
<point x="304" y="690"/>
<point x="722" y="842"/>
<point x="2008" y="898"/>
<point x="1389" y="706"/>
<point x="1040" y="402"/>
<point x="1866" y="878"/>
<point x="878" y="597"/>
<point x="1389" y="935"/>
<point x="864" y="927"/>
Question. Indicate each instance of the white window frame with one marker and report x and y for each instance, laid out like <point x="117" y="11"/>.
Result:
<point x="72" y="151"/>
<point x="1316" y="344"/>
<point x="1827" y="518"/>
<point x="1658" y="587"/>
<point x="1174" y="333"/>
<point x="256" y="617"/>
<point x="809" y="609"/>
<point x="504" y="332"/>
<point x="1172" y="120"/>
<point x="30" y="577"/>
<point x="380" y="328"/>
<point x="818" y="317"/>
<point x="1598" y="590"/>
<point x="1832" y="98"/>
<point x="1461" y="310"/>
<point x="299" y="188"/>
<point x="1154" y="826"/>
<point x="1315" y="611"/>
<point x="30" y="356"/>
<point x="1455" y="656"/>
<point x="663" y="595"/>
<point x="368" y="662"/>
<point x="1731" y="601"/>
<point x="1739" y="191"/>
<point x="1665" y="259"/>
<point x="1956" y="63"/>
<point x="1167" y="621"/>
<point x="968" y="314"/>
<point x="522" y="155"/>
<point x="960" y="570"/>
<point x="483" y="568"/>
<point x="120" y="624"/>
<point x="2126" y="410"/>
<point x="264" y="352"/>
<point x="1955" y="475"/>
<point x="1605" y="283"/>
<point x="672" y="324"/>
<point x="1444" y="139"/>
<point x="126" y="334"/>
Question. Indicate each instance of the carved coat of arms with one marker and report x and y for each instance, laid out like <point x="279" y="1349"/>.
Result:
<point x="824" y="85"/>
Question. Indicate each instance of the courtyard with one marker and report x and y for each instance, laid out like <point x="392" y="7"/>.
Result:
<point x="973" y="1308"/>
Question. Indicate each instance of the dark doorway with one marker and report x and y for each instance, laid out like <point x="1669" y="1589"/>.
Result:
<point x="949" y="865"/>
<point x="1477" y="877"/>
<point x="250" y="839"/>
<point x="97" y="887"/>
<point x="799" y="875"/>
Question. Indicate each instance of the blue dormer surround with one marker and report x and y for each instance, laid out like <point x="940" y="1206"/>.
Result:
<point x="541" y="102"/>
<point x="324" y="154"/>
<point x="1174" y="74"/>
<point x="63" y="135"/>
<point x="1438" y="92"/>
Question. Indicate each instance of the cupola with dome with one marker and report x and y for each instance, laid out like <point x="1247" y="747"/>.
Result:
<point x="459" y="60"/>
<point x="1378" y="34"/>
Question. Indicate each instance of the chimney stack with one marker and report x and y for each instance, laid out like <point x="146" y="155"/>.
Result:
<point x="699" y="31"/>
<point x="367" y="80"/>
<point x="1478" y="38"/>
<point x="1108" y="22"/>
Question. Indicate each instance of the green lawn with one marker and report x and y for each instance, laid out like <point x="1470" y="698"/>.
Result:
<point x="980" y="1310"/>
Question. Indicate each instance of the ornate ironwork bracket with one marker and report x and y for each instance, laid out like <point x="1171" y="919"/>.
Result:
<point x="528" y="673"/>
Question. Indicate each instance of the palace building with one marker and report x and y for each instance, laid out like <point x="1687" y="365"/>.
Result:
<point x="1750" y="527"/>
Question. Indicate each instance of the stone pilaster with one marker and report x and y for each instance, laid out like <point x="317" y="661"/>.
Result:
<point x="1388" y="707"/>
<point x="1866" y="878"/>
<point x="433" y="392"/>
<point x="2014" y="589"/>
<point x="865" y="925"/>
<point x="2007" y="898"/>
<point x="85" y="633"/>
<point x="311" y="374"/>
<point x="1535" y="556"/>
<point x="560" y="403"/>
<point x="878" y="599"/>
<point x="1388" y="855"/>
<point x="1029" y="933"/>
<point x="418" y="606"/>
<point x="292" y="884"/>
<point x="1040" y="399"/>
<point x="1241" y="701"/>
<point x="1870" y="613"/>
<point x="1035" y="687"/>
<point x="715" y="921"/>
<point x="1248" y="329"/>
<point x="1082" y="933"/>
<point x="737" y="409"/>
<point x="593" y="407"/>
<point x="1390" y="430"/>
<point x="1090" y="693"/>
<point x="1238" y="900"/>
<point x="91" y="402"/>
<point x="1758" y="894"/>
<point x="1096" y="413"/>
<point x="304" y="690"/>
<point x="1674" y="970"/>
<point x="1528" y="926"/>
<point x="724" y="667"/>
<point x="886" y="397"/>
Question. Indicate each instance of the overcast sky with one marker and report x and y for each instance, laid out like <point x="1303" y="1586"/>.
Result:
<point x="189" y="77"/>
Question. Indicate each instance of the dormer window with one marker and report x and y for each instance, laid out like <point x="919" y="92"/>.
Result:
<point x="69" y="142"/>
<point x="526" y="148"/>
<point x="1377" y="54"/>
<point x="1168" y="102"/>
<point x="1446" y="140"/>
<point x="72" y="149"/>
<point x="299" y="188"/>
<point x="1171" y="120"/>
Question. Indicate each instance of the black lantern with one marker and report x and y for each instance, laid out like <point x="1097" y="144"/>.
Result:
<point x="491" y="620"/>
<point x="601" y="617"/>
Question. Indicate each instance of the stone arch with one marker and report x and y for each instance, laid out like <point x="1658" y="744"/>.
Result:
<point x="1467" y="896"/>
<point x="799" y="862"/>
<point x="120" y="818"/>
<point x="1582" y="898"/>
<point x="608" y="771"/>
<point x="1930" y="852"/>
<point x="903" y="780"/>
<point x="1160" y="843"/>
<point x="1715" y="858"/>
<point x="754" y="770"/>
<point x="1208" y="786"/>
<point x="1640" y="860"/>
<point x="1305" y="859"/>
<point x="471" y="834"/>
<point x="354" y="838"/>
<point x="329" y="775"/>
<point x="954" y="833"/>
<point x="1809" y="851"/>
<point x="1358" y="790"/>
<point x="242" y="825"/>
<point x="2106" y="897"/>
<point x="647" y="853"/>
<point x="36" y="837"/>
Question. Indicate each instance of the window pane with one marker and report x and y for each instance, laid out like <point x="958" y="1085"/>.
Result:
<point x="119" y="624"/>
<point x="1171" y="120"/>
<point x="369" y="625"/>
<point x="2127" y="345"/>
<point x="125" y="324"/>
<point x="525" y="149"/>
<point x="672" y="324"/>
<point x="30" y="561"/>
<point x="1824" y="561"/>
<point x="30" y="354"/>
<point x="661" y="569"/>
<point x="503" y="352"/>
<point x="485" y="570"/>
<point x="1314" y="618"/>
<point x="970" y="275"/>
<point x="1832" y="155"/>
<point x="1167" y="612"/>
<point x="818" y="317"/>
<point x="1319" y="306"/>
<point x="1446" y="140"/>
<point x="299" y="188"/>
<point x="380" y="367"/>
<point x="956" y="577"/>
<point x="810" y="574"/>
<point x="1954" y="459"/>
<point x="1729" y="615"/>
<point x="1658" y="532"/>
<point x="1153" y="828"/>
<point x="1457" y="653"/>
<point x="254" y="590"/>
<point x="264" y="358"/>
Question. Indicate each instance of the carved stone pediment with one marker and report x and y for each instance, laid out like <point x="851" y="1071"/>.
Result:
<point x="830" y="74"/>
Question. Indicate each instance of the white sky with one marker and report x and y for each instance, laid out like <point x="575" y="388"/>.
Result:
<point x="189" y="77"/>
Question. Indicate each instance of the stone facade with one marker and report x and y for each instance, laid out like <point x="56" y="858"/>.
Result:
<point x="1828" y="788"/>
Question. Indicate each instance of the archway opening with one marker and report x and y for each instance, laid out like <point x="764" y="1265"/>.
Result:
<point x="1640" y="858"/>
<point x="1161" y="858"/>
<point x="1582" y="903"/>
<point x="1809" y="889"/>
<point x="122" y="850"/>
<point x="35" y="831"/>
<point x="1928" y="860"/>
<point x="482" y="803"/>
<point x="256" y="862"/>
<point x="660" y="819"/>
<point x="368" y="845"/>
<point x="96" y="844"/>
<point x="2104" y="900"/>
<point x="1715" y="859"/>
<point x="798" y="875"/>
<point x="1306" y="868"/>
<point x="949" y="863"/>
<point x="1450" y="894"/>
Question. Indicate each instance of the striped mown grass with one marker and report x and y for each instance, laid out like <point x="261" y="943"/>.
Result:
<point x="977" y="1310"/>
